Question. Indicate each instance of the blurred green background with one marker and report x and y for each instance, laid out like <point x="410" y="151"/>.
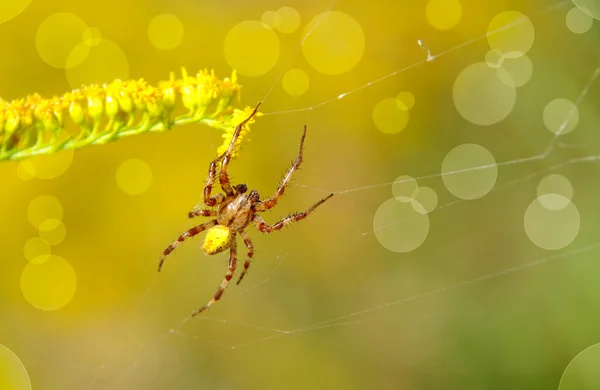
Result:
<point x="475" y="284"/>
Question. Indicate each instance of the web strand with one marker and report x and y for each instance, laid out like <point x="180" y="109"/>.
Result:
<point x="352" y="318"/>
<point x="430" y="58"/>
<point x="298" y="49"/>
<point x="334" y="322"/>
<point x="571" y="112"/>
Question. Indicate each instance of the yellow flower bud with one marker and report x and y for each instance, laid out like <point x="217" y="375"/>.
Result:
<point x="58" y="109"/>
<point x="13" y="122"/>
<point x="50" y="122"/>
<point x="76" y="113"/>
<point x="187" y="97"/>
<point x="153" y="108"/>
<point x="95" y="107"/>
<point x="112" y="106"/>
<point x="168" y="99"/>
<point x="26" y="119"/>
<point x="125" y="102"/>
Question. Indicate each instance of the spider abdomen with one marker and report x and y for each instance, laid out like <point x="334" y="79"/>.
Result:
<point x="217" y="240"/>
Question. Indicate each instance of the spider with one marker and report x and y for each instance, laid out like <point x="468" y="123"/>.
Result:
<point x="236" y="210"/>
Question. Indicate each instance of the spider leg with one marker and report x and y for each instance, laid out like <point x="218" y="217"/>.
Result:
<point x="185" y="235"/>
<point x="250" y="246"/>
<point x="266" y="228"/>
<point x="202" y="213"/>
<point x="223" y="177"/>
<point x="210" y="181"/>
<point x="272" y="201"/>
<point x="228" y="276"/>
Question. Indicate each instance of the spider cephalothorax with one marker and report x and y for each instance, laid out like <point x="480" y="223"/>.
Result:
<point x="234" y="214"/>
<point x="235" y="210"/>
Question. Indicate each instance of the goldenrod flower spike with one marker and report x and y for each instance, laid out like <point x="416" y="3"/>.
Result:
<point x="98" y="114"/>
<point x="238" y="117"/>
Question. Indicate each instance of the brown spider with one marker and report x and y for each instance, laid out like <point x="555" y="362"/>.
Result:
<point x="235" y="211"/>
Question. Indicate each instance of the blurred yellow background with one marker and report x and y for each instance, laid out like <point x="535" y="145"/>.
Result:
<point x="459" y="251"/>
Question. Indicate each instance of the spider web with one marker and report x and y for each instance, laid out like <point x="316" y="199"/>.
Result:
<point x="400" y="303"/>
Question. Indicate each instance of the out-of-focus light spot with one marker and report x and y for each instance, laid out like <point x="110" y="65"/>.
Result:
<point x="49" y="285"/>
<point x="56" y="38"/>
<point x="426" y="198"/>
<point x="105" y="63"/>
<point x="553" y="201"/>
<point x="48" y="166"/>
<point x="134" y="176"/>
<point x="289" y="20"/>
<point x="42" y="208"/>
<point x="25" y="170"/>
<point x="511" y="33"/>
<point x="559" y="187"/>
<point x="469" y="171"/>
<point x="53" y="231"/>
<point x="403" y="188"/>
<point x="561" y="116"/>
<point x="251" y="48"/>
<point x="388" y="118"/>
<point x="405" y="100"/>
<point x="519" y="69"/>
<point x="335" y="44"/>
<point x="443" y="14"/>
<point x="481" y="97"/>
<point x="295" y="82"/>
<point x="582" y="372"/>
<point x="551" y="229"/>
<point x="8" y="10"/>
<point x="590" y="7"/>
<point x="36" y="249"/>
<point x="165" y="31"/>
<point x="493" y="59"/>
<point x="271" y="19"/>
<point x="13" y="375"/>
<point x="92" y="36"/>
<point x="399" y="227"/>
<point x="578" y="21"/>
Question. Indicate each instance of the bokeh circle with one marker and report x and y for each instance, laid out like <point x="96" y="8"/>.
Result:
<point x="13" y="374"/>
<point x="481" y="97"/>
<point x="469" y="171"/>
<point x="335" y="44"/>
<point x="582" y="372"/>
<point x="252" y="48"/>
<point x="552" y="229"/>
<point x="165" y="31"/>
<point x="49" y="285"/>
<point x="399" y="226"/>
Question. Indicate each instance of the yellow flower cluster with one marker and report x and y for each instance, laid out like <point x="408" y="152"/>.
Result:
<point x="97" y="114"/>
<point x="236" y="118"/>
